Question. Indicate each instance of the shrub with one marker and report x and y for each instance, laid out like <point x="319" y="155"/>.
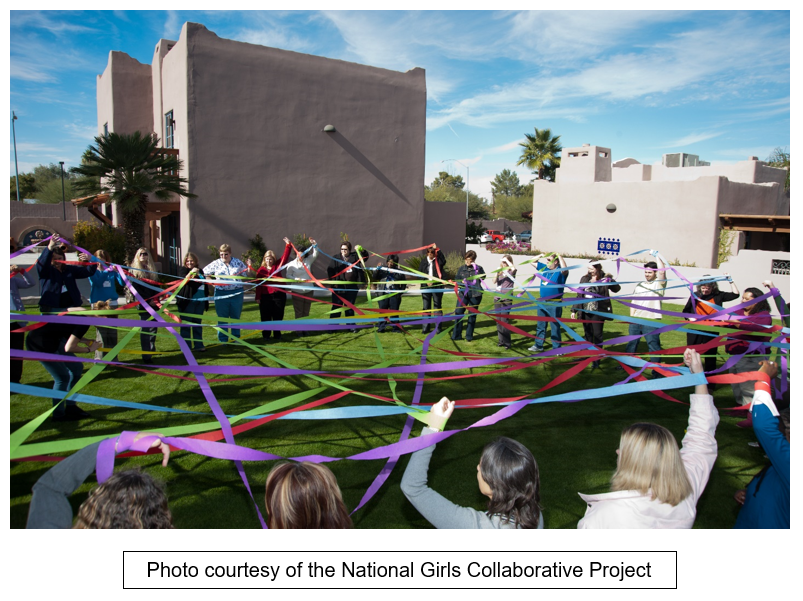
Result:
<point x="301" y="242"/>
<point x="453" y="262"/>
<point x="414" y="262"/>
<point x="256" y="250"/>
<point x="506" y="247"/>
<point x="93" y="237"/>
<point x="213" y="251"/>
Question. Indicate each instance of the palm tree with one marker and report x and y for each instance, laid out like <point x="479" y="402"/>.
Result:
<point x="130" y="167"/>
<point x="541" y="152"/>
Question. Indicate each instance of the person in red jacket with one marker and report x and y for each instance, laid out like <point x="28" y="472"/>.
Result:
<point x="271" y="299"/>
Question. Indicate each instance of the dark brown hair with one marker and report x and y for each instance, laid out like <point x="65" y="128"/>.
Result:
<point x="510" y="470"/>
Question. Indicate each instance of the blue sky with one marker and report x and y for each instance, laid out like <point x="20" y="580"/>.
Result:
<point x="711" y="83"/>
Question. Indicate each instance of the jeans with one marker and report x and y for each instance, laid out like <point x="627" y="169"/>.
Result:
<point x="271" y="308"/>
<point x="106" y="336"/>
<point x="431" y="299"/>
<point x="393" y="303"/>
<point x="65" y="375"/>
<point x="230" y="307"/>
<point x="463" y="303"/>
<point x="194" y="335"/>
<point x="653" y="340"/>
<point x="502" y="310"/>
<point x="540" y="327"/>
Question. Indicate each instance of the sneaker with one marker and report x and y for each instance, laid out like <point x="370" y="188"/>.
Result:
<point x="536" y="349"/>
<point x="753" y="444"/>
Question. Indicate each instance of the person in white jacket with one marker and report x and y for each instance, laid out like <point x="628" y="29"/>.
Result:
<point x="655" y="484"/>
<point x="299" y="269"/>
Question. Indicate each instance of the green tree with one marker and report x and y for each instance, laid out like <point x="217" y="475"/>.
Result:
<point x="513" y="207"/>
<point x="50" y="191"/>
<point x="506" y="184"/>
<point x="131" y="168"/>
<point x="778" y="158"/>
<point x="477" y="207"/>
<point x="541" y="153"/>
<point x="27" y="186"/>
<point x="444" y="180"/>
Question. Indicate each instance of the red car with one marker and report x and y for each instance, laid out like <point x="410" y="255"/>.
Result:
<point x="492" y="236"/>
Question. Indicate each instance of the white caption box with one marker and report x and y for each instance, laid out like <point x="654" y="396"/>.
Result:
<point x="399" y="570"/>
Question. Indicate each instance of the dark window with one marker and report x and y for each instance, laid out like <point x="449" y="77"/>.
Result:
<point x="106" y="129"/>
<point x="781" y="267"/>
<point x="169" y="129"/>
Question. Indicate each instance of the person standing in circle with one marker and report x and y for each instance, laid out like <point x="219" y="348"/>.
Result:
<point x="229" y="296"/>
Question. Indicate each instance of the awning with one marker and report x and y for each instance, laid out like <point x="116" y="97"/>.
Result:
<point x="755" y="223"/>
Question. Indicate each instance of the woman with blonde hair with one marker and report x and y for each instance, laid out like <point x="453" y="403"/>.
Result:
<point x="228" y="297"/>
<point x="143" y="268"/>
<point x="271" y="300"/>
<point x="304" y="495"/>
<point x="656" y="485"/>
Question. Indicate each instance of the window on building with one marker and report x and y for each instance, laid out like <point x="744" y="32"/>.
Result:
<point x="170" y="125"/>
<point x="781" y="266"/>
<point x="106" y="129"/>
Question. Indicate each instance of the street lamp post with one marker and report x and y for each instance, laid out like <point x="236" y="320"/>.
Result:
<point x="467" y="180"/>
<point x="63" y="203"/>
<point x="16" y="168"/>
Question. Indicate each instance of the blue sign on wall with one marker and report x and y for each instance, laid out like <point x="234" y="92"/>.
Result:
<point x="608" y="246"/>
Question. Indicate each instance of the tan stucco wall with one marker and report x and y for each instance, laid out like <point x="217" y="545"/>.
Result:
<point x="259" y="162"/>
<point x="680" y="219"/>
<point x="737" y="198"/>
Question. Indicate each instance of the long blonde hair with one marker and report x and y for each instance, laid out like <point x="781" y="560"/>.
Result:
<point x="304" y="495"/>
<point x="649" y="460"/>
<point x="270" y="253"/>
<point x="143" y="269"/>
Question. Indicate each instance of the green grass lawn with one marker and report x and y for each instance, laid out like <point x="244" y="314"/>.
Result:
<point x="574" y="443"/>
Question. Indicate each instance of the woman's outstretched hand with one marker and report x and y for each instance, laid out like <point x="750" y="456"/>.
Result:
<point x="440" y="413"/>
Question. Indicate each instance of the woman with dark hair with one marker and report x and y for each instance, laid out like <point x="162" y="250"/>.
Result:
<point x="59" y="290"/>
<point x="346" y="269"/>
<point x="766" y="502"/>
<point x="304" y="495"/>
<point x="192" y="299"/>
<point x="599" y="301"/>
<point x="469" y="280"/>
<point x="707" y="298"/>
<point x="507" y="474"/>
<point x="64" y="340"/>
<point x="129" y="499"/>
<point x="392" y="289"/>
<point x="271" y="300"/>
<point x="656" y="485"/>
<point x="434" y="266"/>
<point x="143" y="268"/>
<point x="756" y="318"/>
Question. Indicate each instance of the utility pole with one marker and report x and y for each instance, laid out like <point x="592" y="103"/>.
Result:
<point x="16" y="168"/>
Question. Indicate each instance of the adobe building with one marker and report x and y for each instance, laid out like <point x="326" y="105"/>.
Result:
<point x="278" y="143"/>
<point x="596" y="206"/>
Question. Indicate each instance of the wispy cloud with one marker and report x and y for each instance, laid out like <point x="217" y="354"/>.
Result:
<point x="172" y="26"/>
<point x="47" y="21"/>
<point x="690" y="139"/>
<point x="82" y="131"/>
<point x="268" y="29"/>
<point x="504" y="147"/>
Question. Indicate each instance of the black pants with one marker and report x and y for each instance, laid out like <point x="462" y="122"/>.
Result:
<point x="430" y="300"/>
<point x="501" y="311"/>
<point x="17" y="342"/>
<point x="271" y="308"/>
<point x="147" y="337"/>
<point x="592" y="331"/>
<point x="393" y="303"/>
<point x="348" y="295"/>
<point x="710" y="356"/>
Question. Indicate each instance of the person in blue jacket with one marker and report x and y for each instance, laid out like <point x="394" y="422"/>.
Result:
<point x="103" y="287"/>
<point x="766" y="500"/>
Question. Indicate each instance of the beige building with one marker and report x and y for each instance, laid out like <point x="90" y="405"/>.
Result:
<point x="278" y="143"/>
<point x="596" y="204"/>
